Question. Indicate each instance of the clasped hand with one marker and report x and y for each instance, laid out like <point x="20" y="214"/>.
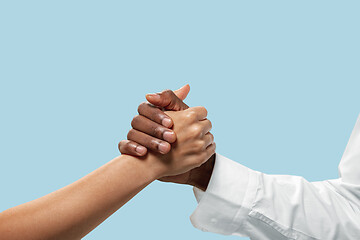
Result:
<point x="179" y="140"/>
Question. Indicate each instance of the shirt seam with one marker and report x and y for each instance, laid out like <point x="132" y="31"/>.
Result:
<point x="289" y="233"/>
<point x="334" y="190"/>
<point x="253" y="180"/>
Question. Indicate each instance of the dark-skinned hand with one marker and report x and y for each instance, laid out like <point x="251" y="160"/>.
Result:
<point x="151" y="129"/>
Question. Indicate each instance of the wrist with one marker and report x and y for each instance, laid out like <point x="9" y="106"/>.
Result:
<point x="201" y="176"/>
<point x="153" y="164"/>
<point x="145" y="165"/>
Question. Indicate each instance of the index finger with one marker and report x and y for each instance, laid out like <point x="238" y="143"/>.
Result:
<point x="201" y="112"/>
<point x="155" y="114"/>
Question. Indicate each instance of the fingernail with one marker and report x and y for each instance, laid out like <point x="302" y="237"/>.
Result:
<point x="154" y="96"/>
<point x="166" y="122"/>
<point x="169" y="136"/>
<point x="140" y="149"/>
<point x="163" y="147"/>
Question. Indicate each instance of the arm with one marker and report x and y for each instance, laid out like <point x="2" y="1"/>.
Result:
<point x="73" y="211"/>
<point x="262" y="206"/>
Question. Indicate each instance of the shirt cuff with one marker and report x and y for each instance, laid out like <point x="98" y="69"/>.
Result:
<point x="228" y="198"/>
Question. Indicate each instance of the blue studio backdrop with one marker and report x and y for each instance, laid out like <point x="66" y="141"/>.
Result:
<point x="280" y="79"/>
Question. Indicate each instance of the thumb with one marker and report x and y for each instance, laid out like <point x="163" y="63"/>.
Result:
<point x="167" y="100"/>
<point x="182" y="92"/>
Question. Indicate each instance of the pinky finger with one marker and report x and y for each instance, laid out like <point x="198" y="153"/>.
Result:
<point x="131" y="148"/>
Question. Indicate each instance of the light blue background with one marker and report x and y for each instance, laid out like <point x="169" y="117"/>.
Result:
<point x="280" y="79"/>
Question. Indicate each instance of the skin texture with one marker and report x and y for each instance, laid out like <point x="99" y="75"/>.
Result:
<point x="194" y="144"/>
<point x="157" y="135"/>
<point x="154" y="123"/>
<point x="73" y="211"/>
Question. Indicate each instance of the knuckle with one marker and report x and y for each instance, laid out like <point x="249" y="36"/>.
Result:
<point x="197" y="130"/>
<point x="195" y="135"/>
<point x="158" y="132"/>
<point x="154" y="144"/>
<point x="203" y="145"/>
<point x="191" y="115"/>
<point x="130" y="134"/>
<point x="167" y="92"/>
<point x="204" y="109"/>
<point x="169" y="100"/>
<point x="199" y="145"/>
<point x="210" y="125"/>
<point x="142" y="106"/>
<point x="126" y="146"/>
<point x="212" y="137"/>
<point x="158" y="116"/>
<point x="212" y="148"/>
<point x="121" y="145"/>
<point x="135" y="120"/>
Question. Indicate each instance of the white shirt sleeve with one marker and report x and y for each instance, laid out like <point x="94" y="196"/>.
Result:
<point x="240" y="201"/>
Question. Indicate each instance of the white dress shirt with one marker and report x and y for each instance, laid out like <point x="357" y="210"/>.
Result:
<point x="240" y="201"/>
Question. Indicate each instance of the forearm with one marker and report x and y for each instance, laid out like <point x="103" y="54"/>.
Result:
<point x="75" y="210"/>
